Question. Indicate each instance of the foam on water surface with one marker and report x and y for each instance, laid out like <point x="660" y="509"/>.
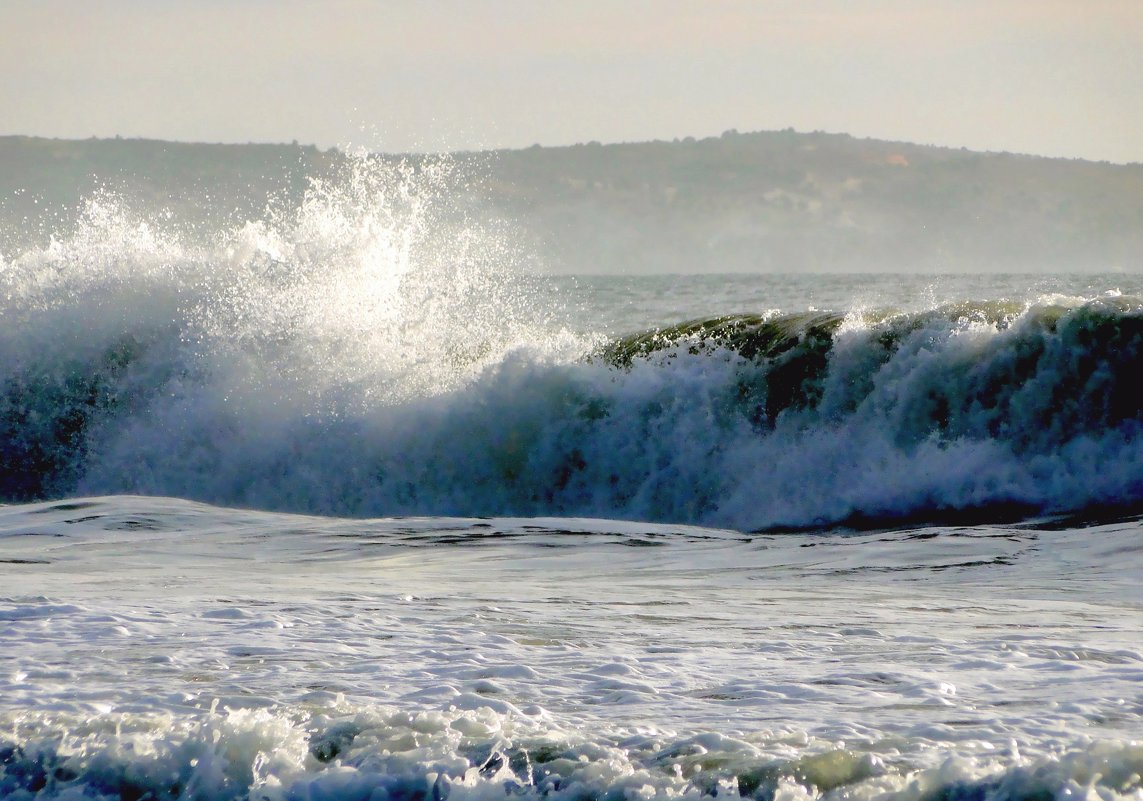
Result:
<point x="180" y="649"/>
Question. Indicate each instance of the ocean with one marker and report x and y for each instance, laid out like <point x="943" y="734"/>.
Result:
<point x="355" y="501"/>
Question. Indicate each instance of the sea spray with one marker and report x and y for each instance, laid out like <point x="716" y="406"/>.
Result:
<point x="378" y="280"/>
<point x="374" y="351"/>
<point x="376" y="289"/>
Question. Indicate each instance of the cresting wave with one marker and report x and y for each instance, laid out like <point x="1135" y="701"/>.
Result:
<point x="374" y="353"/>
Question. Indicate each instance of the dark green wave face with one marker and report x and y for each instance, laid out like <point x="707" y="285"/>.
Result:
<point x="1047" y="374"/>
<point x="751" y="335"/>
<point x="748" y="421"/>
<point x="49" y="412"/>
<point x="794" y="350"/>
<point x="756" y="336"/>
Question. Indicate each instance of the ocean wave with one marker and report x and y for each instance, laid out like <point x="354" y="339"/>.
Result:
<point x="372" y="353"/>
<point x="930" y="416"/>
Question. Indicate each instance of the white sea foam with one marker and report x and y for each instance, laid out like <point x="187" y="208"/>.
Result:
<point x="163" y="647"/>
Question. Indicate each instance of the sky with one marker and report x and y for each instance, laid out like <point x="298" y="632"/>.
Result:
<point x="1048" y="77"/>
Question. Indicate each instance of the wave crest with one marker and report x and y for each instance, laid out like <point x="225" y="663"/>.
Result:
<point x="375" y="352"/>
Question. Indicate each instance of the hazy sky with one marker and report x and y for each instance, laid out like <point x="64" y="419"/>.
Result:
<point x="1053" y="77"/>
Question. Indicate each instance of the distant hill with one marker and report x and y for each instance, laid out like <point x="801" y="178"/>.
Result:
<point x="761" y="202"/>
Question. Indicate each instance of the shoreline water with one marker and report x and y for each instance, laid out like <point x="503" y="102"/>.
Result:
<point x="543" y="555"/>
<point x="157" y="646"/>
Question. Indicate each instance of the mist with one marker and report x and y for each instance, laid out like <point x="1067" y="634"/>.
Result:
<point x="764" y="202"/>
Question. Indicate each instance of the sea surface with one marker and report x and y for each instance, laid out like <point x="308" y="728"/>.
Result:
<point x="358" y="503"/>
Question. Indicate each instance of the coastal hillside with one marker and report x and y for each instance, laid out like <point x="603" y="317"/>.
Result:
<point x="778" y="201"/>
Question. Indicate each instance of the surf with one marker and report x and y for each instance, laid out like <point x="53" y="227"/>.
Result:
<point x="374" y="351"/>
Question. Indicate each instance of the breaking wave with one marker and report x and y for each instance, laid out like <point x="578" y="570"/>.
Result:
<point x="373" y="352"/>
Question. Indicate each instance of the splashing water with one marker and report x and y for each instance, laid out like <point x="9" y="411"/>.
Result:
<point x="377" y="351"/>
<point x="378" y="281"/>
<point x="377" y="289"/>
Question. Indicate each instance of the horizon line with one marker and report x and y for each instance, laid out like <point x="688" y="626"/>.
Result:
<point x="678" y="140"/>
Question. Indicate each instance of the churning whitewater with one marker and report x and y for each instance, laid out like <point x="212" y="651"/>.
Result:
<point x="918" y="416"/>
<point x="352" y="502"/>
<point x="371" y="354"/>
